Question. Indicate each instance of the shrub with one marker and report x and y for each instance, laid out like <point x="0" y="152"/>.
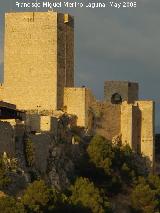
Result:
<point x="10" y="205"/>
<point x="29" y="152"/>
<point x="84" y="193"/>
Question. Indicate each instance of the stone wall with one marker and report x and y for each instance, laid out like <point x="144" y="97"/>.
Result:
<point x="11" y="137"/>
<point x="32" y="122"/>
<point x="147" y="109"/>
<point x="108" y="120"/>
<point x="137" y="127"/>
<point x="78" y="101"/>
<point x="41" y="144"/>
<point x="126" y="123"/>
<point x="133" y="90"/>
<point x="74" y="101"/>
<point x="127" y="90"/>
<point x="49" y="124"/>
<point x="45" y="123"/>
<point x="7" y="138"/>
<point x="69" y="49"/>
<point x="35" y="52"/>
<point x="131" y="126"/>
<point x="65" y="55"/>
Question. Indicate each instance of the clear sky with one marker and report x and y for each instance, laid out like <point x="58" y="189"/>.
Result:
<point x="111" y="44"/>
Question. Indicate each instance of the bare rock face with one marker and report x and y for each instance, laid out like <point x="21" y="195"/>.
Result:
<point x="39" y="155"/>
<point x="61" y="169"/>
<point x="52" y="161"/>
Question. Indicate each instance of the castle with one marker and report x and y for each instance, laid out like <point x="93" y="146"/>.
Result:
<point x="39" y="80"/>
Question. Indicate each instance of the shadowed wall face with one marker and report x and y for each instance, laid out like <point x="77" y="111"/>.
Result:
<point x="108" y="123"/>
<point x="36" y="64"/>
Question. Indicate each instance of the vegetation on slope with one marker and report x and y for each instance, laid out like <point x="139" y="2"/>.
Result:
<point x="104" y="172"/>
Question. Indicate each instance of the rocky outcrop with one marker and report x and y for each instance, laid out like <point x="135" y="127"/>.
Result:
<point x="60" y="166"/>
<point x="48" y="155"/>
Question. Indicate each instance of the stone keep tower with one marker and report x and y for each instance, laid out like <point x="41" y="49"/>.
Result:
<point x="38" y="59"/>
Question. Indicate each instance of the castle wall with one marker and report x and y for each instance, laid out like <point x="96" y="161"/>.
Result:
<point x="45" y="123"/>
<point x="89" y="110"/>
<point x="35" y="60"/>
<point x="61" y="66"/>
<point x="69" y="49"/>
<point x="137" y="127"/>
<point x="77" y="102"/>
<point x="41" y="123"/>
<point x="49" y="124"/>
<point x="127" y="90"/>
<point x="147" y="109"/>
<point x="11" y="137"/>
<point x="132" y="92"/>
<point x="41" y="145"/>
<point x="108" y="122"/>
<point x="131" y="126"/>
<point x="30" y="59"/>
<point x="39" y="76"/>
<point x="74" y="100"/>
<point x="126" y="123"/>
<point x="65" y="55"/>
<point x="32" y="122"/>
<point x="7" y="141"/>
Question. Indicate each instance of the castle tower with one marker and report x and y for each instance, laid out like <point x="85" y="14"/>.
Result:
<point x="38" y="59"/>
<point x="119" y="91"/>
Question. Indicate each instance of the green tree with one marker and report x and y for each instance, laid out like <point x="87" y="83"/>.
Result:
<point x="40" y="198"/>
<point x="85" y="194"/>
<point x="101" y="153"/>
<point x="154" y="183"/>
<point x="143" y="198"/>
<point x="10" y="205"/>
<point x="127" y="174"/>
<point x="36" y="197"/>
<point x="4" y="179"/>
<point x="29" y="152"/>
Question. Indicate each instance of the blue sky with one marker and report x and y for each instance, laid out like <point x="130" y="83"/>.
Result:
<point x="112" y="44"/>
